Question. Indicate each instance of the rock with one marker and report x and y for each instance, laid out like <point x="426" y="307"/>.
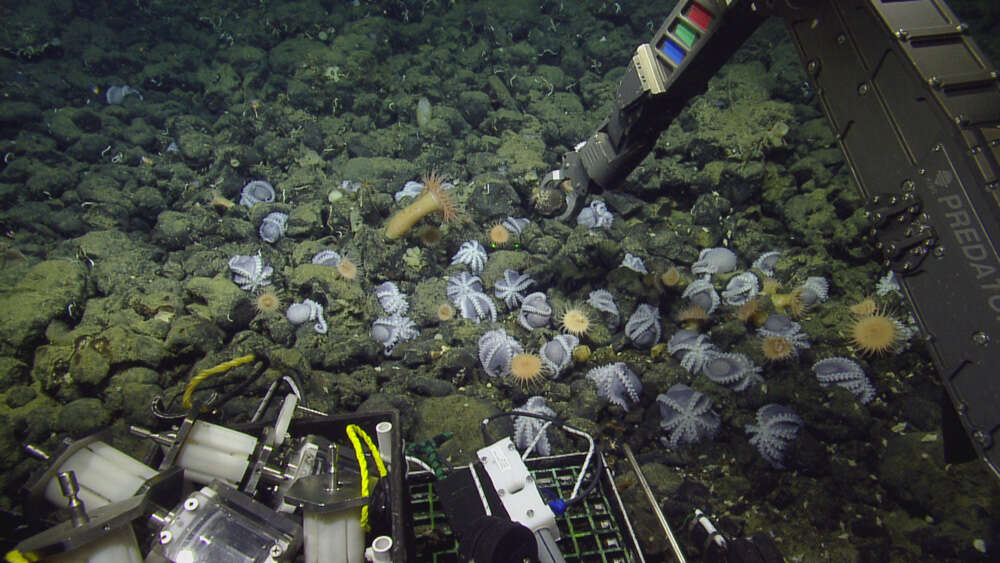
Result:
<point x="428" y="386"/>
<point x="43" y="294"/>
<point x="456" y="413"/>
<point x="20" y="395"/>
<point x="193" y="335"/>
<point x="81" y="417"/>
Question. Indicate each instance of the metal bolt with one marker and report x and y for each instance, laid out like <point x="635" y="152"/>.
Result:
<point x="980" y="437"/>
<point x="981" y="338"/>
<point x="939" y="251"/>
<point x="812" y="67"/>
<point x="934" y="82"/>
<point x="901" y="33"/>
<point x="909" y="185"/>
<point x="191" y="504"/>
<point x="841" y="39"/>
<point x="276" y="550"/>
<point x="863" y="89"/>
<point x="165" y="537"/>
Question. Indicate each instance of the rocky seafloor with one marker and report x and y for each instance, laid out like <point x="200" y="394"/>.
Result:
<point x="120" y="220"/>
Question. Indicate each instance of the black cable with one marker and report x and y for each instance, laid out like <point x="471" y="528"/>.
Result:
<point x="246" y="382"/>
<point x="265" y="363"/>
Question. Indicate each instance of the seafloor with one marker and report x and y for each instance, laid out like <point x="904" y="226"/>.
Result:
<point x="119" y="222"/>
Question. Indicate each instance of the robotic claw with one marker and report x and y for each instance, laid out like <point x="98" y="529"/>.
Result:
<point x="915" y="109"/>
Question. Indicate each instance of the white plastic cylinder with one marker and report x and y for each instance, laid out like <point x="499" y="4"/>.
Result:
<point x="333" y="537"/>
<point x="215" y="452"/>
<point x="284" y="418"/>
<point x="117" y="547"/>
<point x="380" y="550"/>
<point x="105" y="475"/>
<point x="383" y="433"/>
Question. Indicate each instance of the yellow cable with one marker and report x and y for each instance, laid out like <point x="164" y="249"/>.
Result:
<point x="201" y="375"/>
<point x="15" y="556"/>
<point x="353" y="431"/>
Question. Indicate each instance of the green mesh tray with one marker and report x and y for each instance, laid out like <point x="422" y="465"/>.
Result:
<point x="596" y="530"/>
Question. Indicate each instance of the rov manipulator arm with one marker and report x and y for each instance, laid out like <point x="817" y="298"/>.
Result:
<point x="915" y="108"/>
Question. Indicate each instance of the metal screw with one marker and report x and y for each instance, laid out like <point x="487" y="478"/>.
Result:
<point x="863" y="89"/>
<point x="530" y="513"/>
<point x="841" y="39"/>
<point x="981" y="338"/>
<point x="191" y="504"/>
<point x="276" y="550"/>
<point x="812" y="67"/>
<point x="165" y="537"/>
<point x="939" y="251"/>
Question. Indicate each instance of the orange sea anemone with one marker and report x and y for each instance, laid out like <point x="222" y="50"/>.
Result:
<point x="769" y="286"/>
<point x="672" y="277"/>
<point x="876" y="334"/>
<point x="430" y="235"/>
<point x="693" y="318"/>
<point x="790" y="304"/>
<point x="499" y="236"/>
<point x="432" y="198"/>
<point x="220" y="202"/>
<point x="750" y="312"/>
<point x="574" y="320"/>
<point x="864" y="308"/>
<point x="527" y="369"/>
<point x="777" y="349"/>
<point x="347" y="269"/>
<point x="445" y="312"/>
<point x="267" y="302"/>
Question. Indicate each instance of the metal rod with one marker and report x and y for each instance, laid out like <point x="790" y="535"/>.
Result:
<point x="678" y="554"/>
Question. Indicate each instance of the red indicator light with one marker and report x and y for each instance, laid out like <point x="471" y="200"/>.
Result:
<point x="700" y="16"/>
